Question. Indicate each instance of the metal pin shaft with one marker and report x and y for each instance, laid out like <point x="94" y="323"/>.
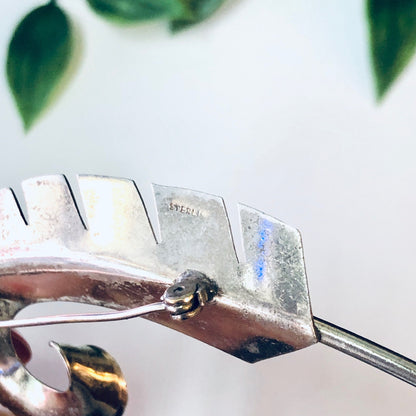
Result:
<point x="329" y="334"/>
<point x="367" y="351"/>
<point x="183" y="299"/>
<point x="84" y="318"/>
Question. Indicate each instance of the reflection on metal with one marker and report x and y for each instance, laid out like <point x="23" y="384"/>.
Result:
<point x="96" y="379"/>
<point x="97" y="385"/>
<point x="367" y="351"/>
<point x="184" y="299"/>
<point x="254" y="310"/>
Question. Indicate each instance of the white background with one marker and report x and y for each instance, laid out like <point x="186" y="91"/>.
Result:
<point x="269" y="103"/>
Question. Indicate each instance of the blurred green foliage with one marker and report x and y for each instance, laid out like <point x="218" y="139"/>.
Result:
<point x="194" y="11"/>
<point x="38" y="55"/>
<point x="41" y="47"/>
<point x="129" y="11"/>
<point x="392" y="27"/>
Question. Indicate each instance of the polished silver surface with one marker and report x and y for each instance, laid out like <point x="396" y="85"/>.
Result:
<point x="367" y="351"/>
<point x="262" y="308"/>
<point x="250" y="319"/>
<point x="254" y="310"/>
<point x="184" y="299"/>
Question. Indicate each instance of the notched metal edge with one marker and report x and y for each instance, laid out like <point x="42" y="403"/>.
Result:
<point x="119" y="226"/>
<point x="38" y="193"/>
<point x="237" y="292"/>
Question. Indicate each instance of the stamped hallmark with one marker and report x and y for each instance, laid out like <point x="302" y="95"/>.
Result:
<point x="173" y="206"/>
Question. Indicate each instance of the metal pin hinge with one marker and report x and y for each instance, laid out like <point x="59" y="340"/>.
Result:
<point x="184" y="299"/>
<point x="188" y="295"/>
<point x="262" y="309"/>
<point x="192" y="290"/>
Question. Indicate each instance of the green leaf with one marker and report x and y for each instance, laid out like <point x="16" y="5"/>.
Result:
<point x="38" y="55"/>
<point x="392" y="25"/>
<point x="195" y="11"/>
<point x="128" y="11"/>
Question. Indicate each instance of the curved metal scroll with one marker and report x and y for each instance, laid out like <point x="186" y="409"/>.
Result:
<point x="97" y="383"/>
<point x="115" y="261"/>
